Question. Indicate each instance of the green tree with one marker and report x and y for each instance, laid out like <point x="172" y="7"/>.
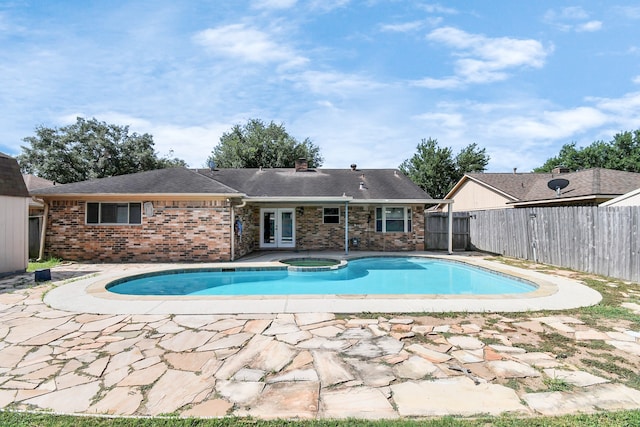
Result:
<point x="621" y="153"/>
<point x="255" y="144"/>
<point x="89" y="149"/>
<point x="436" y="170"/>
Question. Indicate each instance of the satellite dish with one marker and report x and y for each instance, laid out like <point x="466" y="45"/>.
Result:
<point x="557" y="184"/>
<point x="212" y="164"/>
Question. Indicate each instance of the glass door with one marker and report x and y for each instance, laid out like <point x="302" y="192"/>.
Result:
<point x="277" y="228"/>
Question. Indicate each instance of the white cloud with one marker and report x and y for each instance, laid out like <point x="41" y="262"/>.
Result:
<point x="437" y="8"/>
<point x="247" y="44"/>
<point x="632" y="12"/>
<point x="327" y="5"/>
<point x="446" y="83"/>
<point x="573" y="18"/>
<point x="446" y="120"/>
<point x="273" y="4"/>
<point x="483" y="59"/>
<point x="636" y="79"/>
<point x="333" y="83"/>
<point x="405" y="27"/>
<point x="589" y="26"/>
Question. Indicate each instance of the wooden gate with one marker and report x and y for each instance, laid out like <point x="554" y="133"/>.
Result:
<point x="436" y="227"/>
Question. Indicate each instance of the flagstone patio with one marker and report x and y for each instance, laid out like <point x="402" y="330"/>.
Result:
<point x="291" y="365"/>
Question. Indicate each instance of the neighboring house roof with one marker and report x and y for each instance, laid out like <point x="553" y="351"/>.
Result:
<point x="257" y="184"/>
<point x="531" y="188"/>
<point x="161" y="181"/>
<point x="377" y="184"/>
<point x="11" y="183"/>
<point x="33" y="182"/>
<point x="632" y="198"/>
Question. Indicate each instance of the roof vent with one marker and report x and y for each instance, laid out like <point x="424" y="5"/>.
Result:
<point x="362" y="187"/>
<point x="354" y="166"/>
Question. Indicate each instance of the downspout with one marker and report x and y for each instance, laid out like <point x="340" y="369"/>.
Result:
<point x="43" y="232"/>
<point x="346" y="228"/>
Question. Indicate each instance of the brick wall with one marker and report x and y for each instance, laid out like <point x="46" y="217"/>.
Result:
<point x="178" y="231"/>
<point x="198" y="231"/>
<point x="312" y="234"/>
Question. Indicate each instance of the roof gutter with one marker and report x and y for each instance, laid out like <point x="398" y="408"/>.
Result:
<point x="560" y="201"/>
<point x="343" y="199"/>
<point x="136" y="196"/>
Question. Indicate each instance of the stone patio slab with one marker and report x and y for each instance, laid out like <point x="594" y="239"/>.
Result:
<point x="70" y="400"/>
<point x="361" y="403"/>
<point x="455" y="396"/>
<point x="174" y="390"/>
<point x="286" y="400"/>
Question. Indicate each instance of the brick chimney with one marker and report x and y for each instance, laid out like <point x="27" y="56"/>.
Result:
<point x="302" y="165"/>
<point x="560" y="169"/>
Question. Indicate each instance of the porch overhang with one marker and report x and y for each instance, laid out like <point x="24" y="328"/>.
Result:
<point x="349" y="200"/>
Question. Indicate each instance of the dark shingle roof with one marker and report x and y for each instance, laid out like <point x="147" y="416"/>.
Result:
<point x="11" y="183"/>
<point x="378" y="184"/>
<point x="161" y="181"/>
<point x="530" y="187"/>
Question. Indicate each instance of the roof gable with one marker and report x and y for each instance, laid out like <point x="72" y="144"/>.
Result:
<point x="11" y="182"/>
<point x="530" y="187"/>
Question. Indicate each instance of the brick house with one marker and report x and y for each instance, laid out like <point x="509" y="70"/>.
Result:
<point x="179" y="214"/>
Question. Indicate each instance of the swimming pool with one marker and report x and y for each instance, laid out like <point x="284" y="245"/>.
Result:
<point x="364" y="276"/>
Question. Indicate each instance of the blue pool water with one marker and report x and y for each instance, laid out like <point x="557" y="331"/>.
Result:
<point x="365" y="276"/>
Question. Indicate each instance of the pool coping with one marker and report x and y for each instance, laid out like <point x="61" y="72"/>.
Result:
<point x="89" y="295"/>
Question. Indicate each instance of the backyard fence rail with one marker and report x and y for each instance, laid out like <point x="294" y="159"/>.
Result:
<point x="585" y="238"/>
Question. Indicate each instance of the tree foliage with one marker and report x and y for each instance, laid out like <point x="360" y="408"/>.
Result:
<point x="436" y="170"/>
<point x="621" y="153"/>
<point x="255" y="144"/>
<point x="89" y="149"/>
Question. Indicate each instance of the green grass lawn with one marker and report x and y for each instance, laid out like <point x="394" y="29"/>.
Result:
<point x="49" y="263"/>
<point x="18" y="419"/>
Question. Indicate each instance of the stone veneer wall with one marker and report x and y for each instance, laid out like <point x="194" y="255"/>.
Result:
<point x="312" y="234"/>
<point x="178" y="231"/>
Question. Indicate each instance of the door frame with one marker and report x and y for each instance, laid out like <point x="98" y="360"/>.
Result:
<point x="279" y="242"/>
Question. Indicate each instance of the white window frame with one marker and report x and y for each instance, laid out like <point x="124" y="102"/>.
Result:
<point x="324" y="214"/>
<point x="406" y="218"/>
<point x="100" y="222"/>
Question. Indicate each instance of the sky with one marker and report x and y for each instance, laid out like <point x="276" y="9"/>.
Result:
<point x="366" y="81"/>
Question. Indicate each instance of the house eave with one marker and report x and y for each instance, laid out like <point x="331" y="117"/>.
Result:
<point x="341" y="199"/>
<point x="138" y="196"/>
<point x="560" y="200"/>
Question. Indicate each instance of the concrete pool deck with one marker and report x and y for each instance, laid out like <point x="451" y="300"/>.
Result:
<point x="315" y="365"/>
<point x="553" y="293"/>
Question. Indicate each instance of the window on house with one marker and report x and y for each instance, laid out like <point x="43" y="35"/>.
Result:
<point x="114" y="213"/>
<point x="331" y="215"/>
<point x="393" y="220"/>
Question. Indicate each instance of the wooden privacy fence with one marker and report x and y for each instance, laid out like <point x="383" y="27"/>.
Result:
<point x="585" y="238"/>
<point x="436" y="231"/>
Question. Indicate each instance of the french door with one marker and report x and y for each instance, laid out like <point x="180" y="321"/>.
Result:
<point x="277" y="228"/>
